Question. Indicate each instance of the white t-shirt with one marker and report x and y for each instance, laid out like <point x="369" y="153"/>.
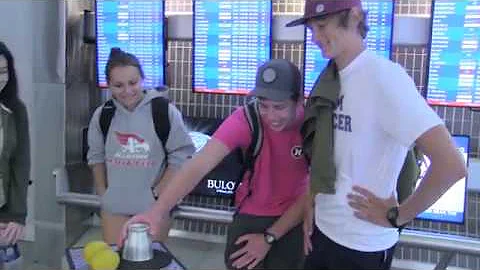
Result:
<point x="378" y="117"/>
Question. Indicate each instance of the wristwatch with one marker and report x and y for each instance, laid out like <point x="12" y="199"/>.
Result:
<point x="392" y="216"/>
<point x="269" y="237"/>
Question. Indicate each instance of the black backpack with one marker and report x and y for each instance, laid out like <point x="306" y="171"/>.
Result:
<point x="224" y="179"/>
<point x="161" y="121"/>
<point x="410" y="174"/>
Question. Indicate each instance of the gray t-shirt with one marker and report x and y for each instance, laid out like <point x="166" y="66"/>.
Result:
<point x="134" y="155"/>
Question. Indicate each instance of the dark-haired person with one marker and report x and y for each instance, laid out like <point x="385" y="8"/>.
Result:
<point x="14" y="159"/>
<point x="266" y="231"/>
<point x="361" y="118"/>
<point x="130" y="165"/>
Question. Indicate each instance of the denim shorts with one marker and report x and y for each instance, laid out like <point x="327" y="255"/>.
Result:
<point x="9" y="253"/>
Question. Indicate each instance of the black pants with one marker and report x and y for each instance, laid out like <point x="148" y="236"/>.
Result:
<point x="327" y="254"/>
<point x="286" y="253"/>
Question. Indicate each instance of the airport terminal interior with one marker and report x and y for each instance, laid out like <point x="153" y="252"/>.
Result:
<point x="61" y="49"/>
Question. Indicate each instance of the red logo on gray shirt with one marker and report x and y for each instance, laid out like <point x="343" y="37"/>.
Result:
<point x="132" y="143"/>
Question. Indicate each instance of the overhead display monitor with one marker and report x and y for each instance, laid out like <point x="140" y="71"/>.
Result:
<point x="137" y="27"/>
<point x="379" y="39"/>
<point x="451" y="206"/>
<point x="230" y="40"/>
<point x="454" y="67"/>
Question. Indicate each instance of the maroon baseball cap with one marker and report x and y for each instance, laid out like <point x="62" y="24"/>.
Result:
<point x="320" y="8"/>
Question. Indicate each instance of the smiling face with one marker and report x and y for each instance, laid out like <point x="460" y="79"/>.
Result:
<point x="126" y="84"/>
<point x="329" y="36"/>
<point x="338" y="39"/>
<point x="3" y="72"/>
<point x="278" y="115"/>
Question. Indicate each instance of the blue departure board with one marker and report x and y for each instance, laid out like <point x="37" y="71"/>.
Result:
<point x="450" y="207"/>
<point x="136" y="27"/>
<point x="230" y="40"/>
<point x="379" y="39"/>
<point x="454" y="69"/>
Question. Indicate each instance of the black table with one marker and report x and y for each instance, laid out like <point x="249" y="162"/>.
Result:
<point x="75" y="257"/>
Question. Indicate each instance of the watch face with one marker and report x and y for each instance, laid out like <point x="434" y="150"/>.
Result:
<point x="269" y="238"/>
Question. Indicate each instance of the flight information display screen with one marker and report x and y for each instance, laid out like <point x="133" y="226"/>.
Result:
<point x="379" y="39"/>
<point x="137" y="27"/>
<point x="451" y="206"/>
<point x="454" y="69"/>
<point x="230" y="40"/>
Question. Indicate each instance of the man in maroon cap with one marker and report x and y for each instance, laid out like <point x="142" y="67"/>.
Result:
<point x="377" y="116"/>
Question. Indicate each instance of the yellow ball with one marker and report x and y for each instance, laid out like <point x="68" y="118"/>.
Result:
<point x="105" y="260"/>
<point x="93" y="248"/>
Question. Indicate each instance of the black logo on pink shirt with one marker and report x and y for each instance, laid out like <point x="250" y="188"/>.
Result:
<point x="296" y="152"/>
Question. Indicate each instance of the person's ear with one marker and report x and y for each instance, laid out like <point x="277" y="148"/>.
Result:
<point x="356" y="15"/>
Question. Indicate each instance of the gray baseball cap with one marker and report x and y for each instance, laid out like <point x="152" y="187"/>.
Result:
<point x="277" y="79"/>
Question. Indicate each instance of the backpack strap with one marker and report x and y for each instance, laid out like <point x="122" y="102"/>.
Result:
<point x="256" y="130"/>
<point x="106" y="116"/>
<point x="161" y="120"/>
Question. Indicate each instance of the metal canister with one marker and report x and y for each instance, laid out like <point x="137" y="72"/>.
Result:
<point x="138" y="245"/>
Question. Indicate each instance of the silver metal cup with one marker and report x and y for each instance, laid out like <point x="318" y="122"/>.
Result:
<point x="138" y="245"/>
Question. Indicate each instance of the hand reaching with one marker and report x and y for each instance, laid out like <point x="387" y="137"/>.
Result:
<point x="146" y="217"/>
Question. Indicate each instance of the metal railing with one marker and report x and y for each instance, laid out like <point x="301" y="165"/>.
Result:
<point x="64" y="196"/>
<point x="449" y="244"/>
<point x="181" y="211"/>
<point x="446" y="243"/>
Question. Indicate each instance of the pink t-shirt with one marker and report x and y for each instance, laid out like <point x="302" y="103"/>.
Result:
<point x="280" y="169"/>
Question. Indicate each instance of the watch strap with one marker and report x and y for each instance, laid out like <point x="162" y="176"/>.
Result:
<point x="392" y="216"/>
<point x="270" y="238"/>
